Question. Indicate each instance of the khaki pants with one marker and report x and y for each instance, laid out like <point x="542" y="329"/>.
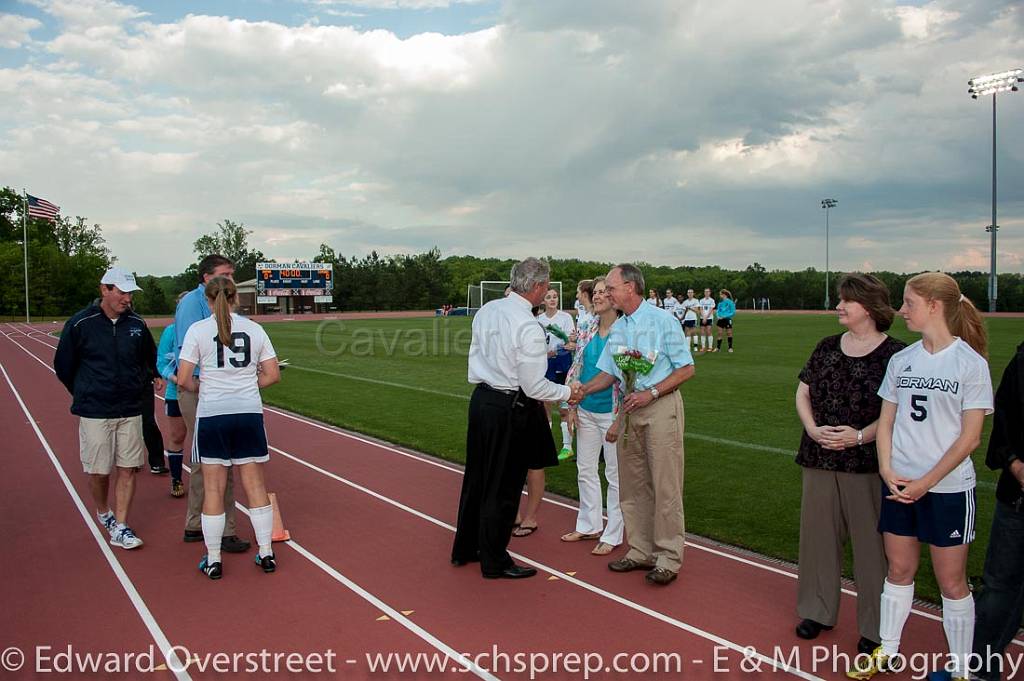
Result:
<point x="187" y="402"/>
<point x="836" y="507"/>
<point x="651" y="483"/>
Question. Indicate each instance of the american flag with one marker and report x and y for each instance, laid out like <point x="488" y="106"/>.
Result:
<point x="41" y="208"/>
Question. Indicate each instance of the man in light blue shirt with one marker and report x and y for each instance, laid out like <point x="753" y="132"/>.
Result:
<point x="191" y="309"/>
<point x="651" y="458"/>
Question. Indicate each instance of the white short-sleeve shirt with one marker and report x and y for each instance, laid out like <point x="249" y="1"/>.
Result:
<point x="707" y="307"/>
<point x="690" y="306"/>
<point x="931" y="392"/>
<point x="563" y="320"/>
<point x="227" y="374"/>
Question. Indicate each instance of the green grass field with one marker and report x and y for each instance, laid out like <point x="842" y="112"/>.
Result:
<point x="405" y="381"/>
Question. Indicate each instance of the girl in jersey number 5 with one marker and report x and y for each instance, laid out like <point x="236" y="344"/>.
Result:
<point x="936" y="394"/>
<point x="235" y="359"/>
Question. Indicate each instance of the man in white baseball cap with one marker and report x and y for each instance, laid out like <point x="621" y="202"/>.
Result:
<point x="105" y="358"/>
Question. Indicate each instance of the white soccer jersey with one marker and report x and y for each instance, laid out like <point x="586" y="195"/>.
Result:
<point x="690" y="307"/>
<point x="562" y="320"/>
<point x="707" y="308"/>
<point x="930" y="393"/>
<point x="670" y="304"/>
<point x="227" y="375"/>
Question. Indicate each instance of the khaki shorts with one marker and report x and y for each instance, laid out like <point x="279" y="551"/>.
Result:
<point x="105" y="443"/>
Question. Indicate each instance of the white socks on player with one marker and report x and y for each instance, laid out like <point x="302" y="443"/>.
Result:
<point x="213" y="533"/>
<point x="958" y="621"/>
<point x="263" y="525"/>
<point x="566" y="436"/>
<point x="897" y="600"/>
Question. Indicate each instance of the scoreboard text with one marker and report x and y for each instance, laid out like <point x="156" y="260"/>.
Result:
<point x="294" y="279"/>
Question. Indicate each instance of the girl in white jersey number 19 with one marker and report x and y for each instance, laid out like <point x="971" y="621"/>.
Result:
<point x="235" y="359"/>
<point x="935" y="396"/>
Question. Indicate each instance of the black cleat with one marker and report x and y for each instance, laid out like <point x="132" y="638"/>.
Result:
<point x="211" y="570"/>
<point x="267" y="563"/>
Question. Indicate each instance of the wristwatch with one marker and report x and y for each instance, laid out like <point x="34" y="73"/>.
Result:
<point x="654" y="392"/>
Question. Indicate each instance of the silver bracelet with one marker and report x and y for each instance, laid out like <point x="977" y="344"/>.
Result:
<point x="860" y="437"/>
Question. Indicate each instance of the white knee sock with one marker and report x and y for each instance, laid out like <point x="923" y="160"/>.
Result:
<point x="958" y="621"/>
<point x="566" y="435"/>
<point x="263" y="525"/>
<point x="897" y="600"/>
<point x="213" y="532"/>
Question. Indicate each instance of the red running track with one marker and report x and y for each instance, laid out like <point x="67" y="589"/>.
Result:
<point x="372" y="528"/>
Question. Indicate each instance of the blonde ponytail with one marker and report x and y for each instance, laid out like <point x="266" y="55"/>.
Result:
<point x="962" y="317"/>
<point x="222" y="296"/>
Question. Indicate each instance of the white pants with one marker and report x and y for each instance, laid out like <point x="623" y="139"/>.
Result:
<point x="589" y="440"/>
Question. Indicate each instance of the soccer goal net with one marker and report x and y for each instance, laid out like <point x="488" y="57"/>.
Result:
<point x="478" y="295"/>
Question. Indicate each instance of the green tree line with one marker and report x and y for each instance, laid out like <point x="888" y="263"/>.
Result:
<point x="68" y="256"/>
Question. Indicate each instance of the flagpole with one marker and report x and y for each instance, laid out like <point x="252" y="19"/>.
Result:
<point x="24" y="236"/>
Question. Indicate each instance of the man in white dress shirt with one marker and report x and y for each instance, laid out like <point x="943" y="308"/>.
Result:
<point x="507" y="423"/>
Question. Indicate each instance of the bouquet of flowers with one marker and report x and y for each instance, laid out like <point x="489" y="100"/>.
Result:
<point x="632" y="363"/>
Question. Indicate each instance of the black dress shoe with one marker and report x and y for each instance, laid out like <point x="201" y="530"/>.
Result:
<point x="459" y="562"/>
<point x="514" y="572"/>
<point x="866" y="646"/>
<point x="809" y="629"/>
<point x="232" y="544"/>
<point x="193" y="535"/>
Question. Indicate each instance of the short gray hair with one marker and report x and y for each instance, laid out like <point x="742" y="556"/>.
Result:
<point x="632" y="274"/>
<point x="528" y="273"/>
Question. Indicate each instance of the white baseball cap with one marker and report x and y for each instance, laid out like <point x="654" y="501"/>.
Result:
<point x="121" y="279"/>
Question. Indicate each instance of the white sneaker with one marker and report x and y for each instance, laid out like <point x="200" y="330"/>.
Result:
<point x="125" y="538"/>
<point x="730" y="349"/>
<point x="108" y="521"/>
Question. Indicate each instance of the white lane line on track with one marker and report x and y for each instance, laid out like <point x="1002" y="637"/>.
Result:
<point x="745" y="650"/>
<point x="423" y="634"/>
<point x="724" y="554"/>
<point x="396" y="615"/>
<point x="170" y="656"/>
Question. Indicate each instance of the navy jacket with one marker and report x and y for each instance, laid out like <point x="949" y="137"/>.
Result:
<point x="1007" y="441"/>
<point x="106" y="366"/>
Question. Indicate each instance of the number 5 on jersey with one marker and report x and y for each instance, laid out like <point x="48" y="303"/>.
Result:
<point x="240" y="346"/>
<point x="917" y="403"/>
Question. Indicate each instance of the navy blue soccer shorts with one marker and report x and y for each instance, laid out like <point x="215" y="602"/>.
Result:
<point x="937" y="518"/>
<point x="230" y="440"/>
<point x="172" y="408"/>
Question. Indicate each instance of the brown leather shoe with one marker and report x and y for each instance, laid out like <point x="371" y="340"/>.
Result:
<point x="628" y="565"/>
<point x="660" y="576"/>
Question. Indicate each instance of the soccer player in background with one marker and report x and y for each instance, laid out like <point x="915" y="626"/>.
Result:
<point x="690" y="311"/>
<point x="707" y="319"/>
<point x="725" y="311"/>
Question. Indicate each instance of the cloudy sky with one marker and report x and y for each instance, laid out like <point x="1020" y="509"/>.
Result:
<point x="668" y="131"/>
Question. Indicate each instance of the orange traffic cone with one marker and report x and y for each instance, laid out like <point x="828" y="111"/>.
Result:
<point x="279" y="533"/>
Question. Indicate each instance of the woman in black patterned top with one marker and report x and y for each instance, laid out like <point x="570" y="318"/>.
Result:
<point x="837" y="400"/>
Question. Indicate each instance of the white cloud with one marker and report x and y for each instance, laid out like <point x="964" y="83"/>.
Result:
<point x="15" y="29"/>
<point x="667" y="132"/>
<point x="396" y="4"/>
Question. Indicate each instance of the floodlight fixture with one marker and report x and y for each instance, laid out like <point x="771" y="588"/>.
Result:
<point x="982" y="86"/>
<point x="827" y="204"/>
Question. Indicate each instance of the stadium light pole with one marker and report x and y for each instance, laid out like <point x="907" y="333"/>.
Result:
<point x="993" y="84"/>
<point x="827" y="204"/>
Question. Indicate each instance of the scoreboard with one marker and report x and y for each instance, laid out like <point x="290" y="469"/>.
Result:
<point x="294" y="279"/>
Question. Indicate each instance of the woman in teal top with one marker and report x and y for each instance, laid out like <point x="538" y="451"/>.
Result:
<point x="725" y="311"/>
<point x="594" y="418"/>
<point x="175" y="433"/>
